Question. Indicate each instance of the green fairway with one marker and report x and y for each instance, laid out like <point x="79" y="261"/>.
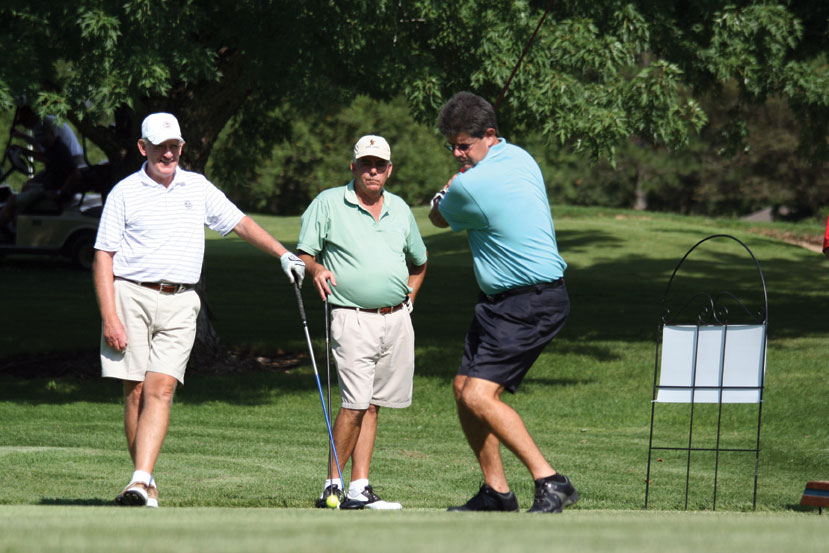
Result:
<point x="199" y="530"/>
<point x="246" y="452"/>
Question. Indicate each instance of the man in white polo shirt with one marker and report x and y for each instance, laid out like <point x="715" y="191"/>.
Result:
<point x="148" y="259"/>
<point x="363" y="250"/>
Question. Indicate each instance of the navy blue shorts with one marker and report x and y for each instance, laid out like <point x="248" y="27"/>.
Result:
<point x="510" y="330"/>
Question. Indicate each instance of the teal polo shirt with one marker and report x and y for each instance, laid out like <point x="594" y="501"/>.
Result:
<point x="368" y="257"/>
<point x="502" y="205"/>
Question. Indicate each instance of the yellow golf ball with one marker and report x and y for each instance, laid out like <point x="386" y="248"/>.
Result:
<point x="332" y="501"/>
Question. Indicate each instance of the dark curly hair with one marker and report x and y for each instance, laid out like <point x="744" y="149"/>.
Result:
<point x="469" y="113"/>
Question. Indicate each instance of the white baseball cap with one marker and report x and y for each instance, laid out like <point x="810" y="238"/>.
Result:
<point x="372" y="145"/>
<point x="160" y="127"/>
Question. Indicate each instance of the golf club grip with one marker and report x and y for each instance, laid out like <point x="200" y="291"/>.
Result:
<point x="299" y="302"/>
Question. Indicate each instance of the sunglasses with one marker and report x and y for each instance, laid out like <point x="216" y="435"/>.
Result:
<point x="461" y="147"/>
<point x="366" y="164"/>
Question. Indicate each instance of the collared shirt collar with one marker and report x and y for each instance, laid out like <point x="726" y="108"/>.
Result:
<point x="493" y="151"/>
<point x="351" y="197"/>
<point x="147" y="179"/>
<point x="496" y="148"/>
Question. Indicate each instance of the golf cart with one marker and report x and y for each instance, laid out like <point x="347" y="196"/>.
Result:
<point x="49" y="227"/>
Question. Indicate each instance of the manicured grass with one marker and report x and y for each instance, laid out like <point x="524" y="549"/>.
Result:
<point x="223" y="530"/>
<point x="245" y="455"/>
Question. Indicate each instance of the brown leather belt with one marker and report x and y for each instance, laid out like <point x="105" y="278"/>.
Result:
<point x="163" y="287"/>
<point x="378" y="310"/>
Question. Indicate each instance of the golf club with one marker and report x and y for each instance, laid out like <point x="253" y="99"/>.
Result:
<point x="319" y="386"/>
<point x="328" y="369"/>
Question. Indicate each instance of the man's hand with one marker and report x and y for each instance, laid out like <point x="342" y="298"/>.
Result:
<point x="115" y="335"/>
<point x="293" y="267"/>
<point x="322" y="278"/>
<point x="434" y="213"/>
<point x="437" y="198"/>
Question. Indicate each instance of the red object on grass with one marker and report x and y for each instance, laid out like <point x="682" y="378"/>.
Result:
<point x="826" y="236"/>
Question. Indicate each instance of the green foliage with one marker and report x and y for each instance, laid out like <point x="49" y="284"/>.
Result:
<point x="316" y="151"/>
<point x="596" y="75"/>
<point x="705" y="178"/>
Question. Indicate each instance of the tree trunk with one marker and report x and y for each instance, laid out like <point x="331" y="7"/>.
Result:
<point x="640" y="201"/>
<point x="208" y="352"/>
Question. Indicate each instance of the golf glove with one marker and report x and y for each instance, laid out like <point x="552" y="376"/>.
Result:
<point x="293" y="267"/>
<point x="437" y="198"/>
<point x="409" y="304"/>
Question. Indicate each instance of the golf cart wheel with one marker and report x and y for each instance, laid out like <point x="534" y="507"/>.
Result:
<point x="82" y="251"/>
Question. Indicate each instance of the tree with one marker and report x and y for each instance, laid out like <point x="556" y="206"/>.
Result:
<point x="597" y="74"/>
<point x="100" y="62"/>
<point x="698" y="179"/>
<point x="600" y="72"/>
<point x="105" y="64"/>
<point x="316" y="155"/>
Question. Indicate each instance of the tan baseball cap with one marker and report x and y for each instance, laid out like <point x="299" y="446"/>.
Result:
<point x="372" y="145"/>
<point x="160" y="127"/>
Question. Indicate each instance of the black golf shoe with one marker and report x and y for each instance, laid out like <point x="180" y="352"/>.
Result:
<point x="553" y="495"/>
<point x="488" y="499"/>
<point x="367" y="499"/>
<point x="329" y="490"/>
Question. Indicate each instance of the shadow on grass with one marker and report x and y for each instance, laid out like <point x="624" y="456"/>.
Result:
<point x="252" y="388"/>
<point x="797" y="508"/>
<point x="557" y="382"/>
<point x="597" y="353"/>
<point x="613" y="299"/>
<point x="247" y="389"/>
<point x="62" y="501"/>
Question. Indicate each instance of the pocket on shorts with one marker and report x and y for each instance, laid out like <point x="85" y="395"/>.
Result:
<point x="338" y="321"/>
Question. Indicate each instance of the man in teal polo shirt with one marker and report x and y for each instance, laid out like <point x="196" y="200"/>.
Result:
<point x="363" y="251"/>
<point x="500" y="200"/>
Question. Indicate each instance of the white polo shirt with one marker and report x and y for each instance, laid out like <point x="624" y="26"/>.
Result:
<point x="157" y="232"/>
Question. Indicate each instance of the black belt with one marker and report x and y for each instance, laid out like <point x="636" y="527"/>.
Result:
<point x="378" y="310"/>
<point x="524" y="290"/>
<point x="163" y="287"/>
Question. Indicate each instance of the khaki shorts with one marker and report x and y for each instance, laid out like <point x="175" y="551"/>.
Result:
<point x="375" y="357"/>
<point x="161" y="329"/>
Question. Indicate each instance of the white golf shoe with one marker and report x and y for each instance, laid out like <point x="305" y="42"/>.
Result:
<point x="152" y="497"/>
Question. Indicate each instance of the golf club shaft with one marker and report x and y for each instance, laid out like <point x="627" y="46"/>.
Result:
<point x="521" y="57"/>
<point x="328" y="368"/>
<point x="319" y="385"/>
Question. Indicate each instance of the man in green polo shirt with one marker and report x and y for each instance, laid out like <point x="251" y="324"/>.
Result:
<point x="363" y="251"/>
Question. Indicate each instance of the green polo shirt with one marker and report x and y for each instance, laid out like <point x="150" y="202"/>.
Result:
<point x="368" y="257"/>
